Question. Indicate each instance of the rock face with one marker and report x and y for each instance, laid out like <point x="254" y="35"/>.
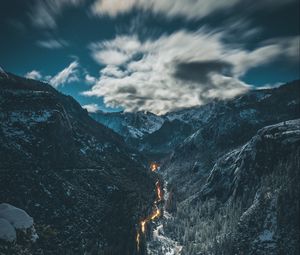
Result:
<point x="85" y="189"/>
<point x="250" y="199"/>
<point x="228" y="125"/>
<point x="232" y="194"/>
<point x="271" y="222"/>
<point x="235" y="187"/>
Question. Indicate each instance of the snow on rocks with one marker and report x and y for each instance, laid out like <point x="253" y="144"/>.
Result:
<point x="3" y="73"/>
<point x="13" y="219"/>
<point x="16" y="216"/>
<point x="7" y="231"/>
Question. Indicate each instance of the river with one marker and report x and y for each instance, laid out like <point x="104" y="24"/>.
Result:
<point x="158" y="243"/>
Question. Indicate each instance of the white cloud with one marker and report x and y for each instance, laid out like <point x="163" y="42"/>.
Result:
<point x="289" y="45"/>
<point x="179" y="70"/>
<point x="43" y="14"/>
<point x="113" y="71"/>
<point x="113" y="53"/>
<point x="35" y="75"/>
<point x="67" y="75"/>
<point x="52" y="44"/>
<point x="90" y="79"/>
<point x="190" y="9"/>
<point x="91" y="107"/>
<point x="110" y="57"/>
<point x="245" y="60"/>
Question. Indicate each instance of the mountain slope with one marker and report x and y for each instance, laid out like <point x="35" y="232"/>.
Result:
<point x="228" y="125"/>
<point x="224" y="200"/>
<point x="84" y="188"/>
<point x="250" y="202"/>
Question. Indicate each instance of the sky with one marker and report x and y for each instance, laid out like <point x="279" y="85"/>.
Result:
<point x="151" y="55"/>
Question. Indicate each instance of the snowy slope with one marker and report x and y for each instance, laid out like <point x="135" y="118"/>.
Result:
<point x="247" y="205"/>
<point x="130" y="125"/>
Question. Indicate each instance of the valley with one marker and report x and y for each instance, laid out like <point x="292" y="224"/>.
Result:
<point x="150" y="127"/>
<point x="156" y="211"/>
<point x="213" y="179"/>
<point x="219" y="166"/>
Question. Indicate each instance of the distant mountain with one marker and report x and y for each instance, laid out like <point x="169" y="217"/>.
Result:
<point x="227" y="125"/>
<point x="85" y="189"/>
<point x="157" y="136"/>
<point x="130" y="125"/>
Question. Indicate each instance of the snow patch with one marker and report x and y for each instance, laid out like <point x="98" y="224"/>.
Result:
<point x="15" y="216"/>
<point x="266" y="235"/>
<point x="7" y="231"/>
<point x="3" y="73"/>
<point x="13" y="219"/>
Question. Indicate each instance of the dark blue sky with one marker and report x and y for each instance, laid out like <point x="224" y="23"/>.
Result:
<point x="151" y="55"/>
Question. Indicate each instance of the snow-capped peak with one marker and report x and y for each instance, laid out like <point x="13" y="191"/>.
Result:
<point x="3" y="73"/>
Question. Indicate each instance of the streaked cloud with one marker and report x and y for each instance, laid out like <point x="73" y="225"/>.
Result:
<point x="67" y="75"/>
<point x="43" y="14"/>
<point x="179" y="70"/>
<point x="188" y="9"/>
<point x="52" y="44"/>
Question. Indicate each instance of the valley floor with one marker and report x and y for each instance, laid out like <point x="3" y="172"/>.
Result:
<point x="160" y="242"/>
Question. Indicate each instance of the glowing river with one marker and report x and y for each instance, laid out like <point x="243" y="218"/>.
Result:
<point x="156" y="213"/>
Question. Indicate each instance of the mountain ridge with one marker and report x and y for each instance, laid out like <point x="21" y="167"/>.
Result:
<point x="190" y="119"/>
<point x="85" y="189"/>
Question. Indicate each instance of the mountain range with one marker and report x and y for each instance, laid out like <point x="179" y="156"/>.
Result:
<point x="228" y="164"/>
<point x="230" y="168"/>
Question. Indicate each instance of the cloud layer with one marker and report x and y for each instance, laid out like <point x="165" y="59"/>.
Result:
<point x="179" y="70"/>
<point x="188" y="9"/>
<point x="43" y="14"/>
<point x="198" y="59"/>
<point x="52" y="44"/>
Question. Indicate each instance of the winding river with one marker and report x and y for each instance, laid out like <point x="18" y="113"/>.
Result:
<point x="159" y="244"/>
